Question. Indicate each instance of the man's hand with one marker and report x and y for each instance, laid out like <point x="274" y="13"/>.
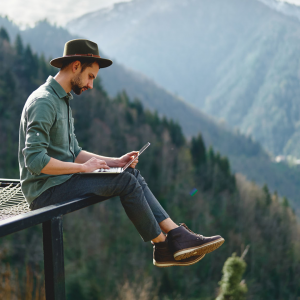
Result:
<point x="127" y="157"/>
<point x="94" y="164"/>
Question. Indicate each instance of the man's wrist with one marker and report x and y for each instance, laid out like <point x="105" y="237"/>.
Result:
<point x="117" y="162"/>
<point x="82" y="168"/>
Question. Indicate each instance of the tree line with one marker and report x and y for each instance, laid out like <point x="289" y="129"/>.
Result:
<point x="105" y="257"/>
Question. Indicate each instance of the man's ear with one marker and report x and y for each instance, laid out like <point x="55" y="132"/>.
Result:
<point x="76" y="66"/>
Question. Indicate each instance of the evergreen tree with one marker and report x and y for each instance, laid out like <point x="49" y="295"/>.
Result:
<point x="211" y="154"/>
<point x="231" y="286"/>
<point x="31" y="63"/>
<point x="3" y="34"/>
<point x="176" y="133"/>
<point x="268" y="198"/>
<point x="19" y="45"/>
<point x="285" y="202"/>
<point x="224" y="165"/>
<point x="198" y="151"/>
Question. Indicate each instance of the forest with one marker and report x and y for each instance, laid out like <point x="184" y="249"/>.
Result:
<point x="104" y="256"/>
<point x="246" y="155"/>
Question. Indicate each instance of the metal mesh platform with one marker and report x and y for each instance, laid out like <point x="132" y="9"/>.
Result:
<point x="12" y="201"/>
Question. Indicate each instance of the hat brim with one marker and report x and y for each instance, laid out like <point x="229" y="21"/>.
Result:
<point x="103" y="62"/>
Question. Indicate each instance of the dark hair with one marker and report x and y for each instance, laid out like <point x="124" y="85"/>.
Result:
<point x="85" y="63"/>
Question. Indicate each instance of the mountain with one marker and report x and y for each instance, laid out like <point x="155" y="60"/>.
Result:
<point x="49" y="40"/>
<point x="194" y="184"/>
<point x="236" y="59"/>
<point x="283" y="7"/>
<point x="246" y="156"/>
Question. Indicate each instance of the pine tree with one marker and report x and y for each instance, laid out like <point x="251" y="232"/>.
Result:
<point x="198" y="151"/>
<point x="31" y="63"/>
<point x="268" y="198"/>
<point x="176" y="133"/>
<point x="285" y="202"/>
<point x="232" y="286"/>
<point x="3" y="34"/>
<point x="19" y="45"/>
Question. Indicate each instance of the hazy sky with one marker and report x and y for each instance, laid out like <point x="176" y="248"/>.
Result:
<point x="28" y="12"/>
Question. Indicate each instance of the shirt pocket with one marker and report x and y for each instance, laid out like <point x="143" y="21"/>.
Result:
<point x="59" y="132"/>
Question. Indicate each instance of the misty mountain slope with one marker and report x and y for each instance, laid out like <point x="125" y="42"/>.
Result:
<point x="48" y="39"/>
<point x="192" y="120"/>
<point x="263" y="88"/>
<point x="246" y="156"/>
<point x="283" y="7"/>
<point x="234" y="59"/>
<point x="165" y="40"/>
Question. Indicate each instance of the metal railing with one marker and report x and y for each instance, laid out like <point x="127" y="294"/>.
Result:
<point x="51" y="218"/>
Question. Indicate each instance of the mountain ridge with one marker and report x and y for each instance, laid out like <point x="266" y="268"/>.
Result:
<point x="246" y="156"/>
<point x="214" y="56"/>
<point x="118" y="78"/>
<point x="285" y="8"/>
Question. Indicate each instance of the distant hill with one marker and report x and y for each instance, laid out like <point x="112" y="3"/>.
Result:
<point x="246" y="156"/>
<point x="236" y="60"/>
<point x="283" y="7"/>
<point x="49" y="40"/>
<point x="102" y="237"/>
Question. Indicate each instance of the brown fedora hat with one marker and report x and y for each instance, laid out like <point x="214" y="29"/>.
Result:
<point x="81" y="48"/>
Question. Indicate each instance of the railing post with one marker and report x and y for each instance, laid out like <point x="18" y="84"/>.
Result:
<point x="54" y="259"/>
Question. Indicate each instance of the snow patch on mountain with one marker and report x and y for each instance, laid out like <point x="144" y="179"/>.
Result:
<point x="289" y="8"/>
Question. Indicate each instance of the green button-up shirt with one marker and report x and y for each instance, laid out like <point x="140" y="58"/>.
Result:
<point x="46" y="130"/>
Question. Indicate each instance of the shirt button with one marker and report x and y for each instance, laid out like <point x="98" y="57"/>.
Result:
<point x="37" y="134"/>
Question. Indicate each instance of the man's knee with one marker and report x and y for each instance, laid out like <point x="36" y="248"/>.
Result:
<point x="131" y="183"/>
<point x="137" y="174"/>
<point x="134" y="172"/>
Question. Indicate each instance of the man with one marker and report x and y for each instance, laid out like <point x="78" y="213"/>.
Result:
<point x="51" y="162"/>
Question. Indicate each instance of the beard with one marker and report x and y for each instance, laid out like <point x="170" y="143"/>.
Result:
<point x="77" y="86"/>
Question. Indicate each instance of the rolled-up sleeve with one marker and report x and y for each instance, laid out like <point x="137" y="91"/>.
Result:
<point x="77" y="149"/>
<point x="40" y="117"/>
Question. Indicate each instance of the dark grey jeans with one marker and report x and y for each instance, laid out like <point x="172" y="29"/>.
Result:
<point x="139" y="203"/>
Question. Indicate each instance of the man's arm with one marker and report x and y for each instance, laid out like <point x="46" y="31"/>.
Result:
<point x="84" y="156"/>
<point x="38" y="161"/>
<point x="87" y="162"/>
<point x="115" y="162"/>
<point x="40" y="115"/>
<point x="57" y="167"/>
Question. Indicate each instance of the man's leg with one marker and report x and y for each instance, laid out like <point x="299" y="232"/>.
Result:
<point x="162" y="252"/>
<point x="106" y="186"/>
<point x="144" y="213"/>
<point x="165" y="222"/>
<point x="182" y="247"/>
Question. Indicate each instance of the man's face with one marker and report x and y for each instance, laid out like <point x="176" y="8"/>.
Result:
<point x="83" y="81"/>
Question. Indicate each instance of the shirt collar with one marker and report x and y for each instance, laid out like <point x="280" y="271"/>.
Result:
<point x="58" y="89"/>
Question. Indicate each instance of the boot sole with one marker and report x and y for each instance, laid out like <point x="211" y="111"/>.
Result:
<point x="199" y="250"/>
<point x="175" y="263"/>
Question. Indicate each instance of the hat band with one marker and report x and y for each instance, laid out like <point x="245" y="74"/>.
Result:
<point x="89" y="54"/>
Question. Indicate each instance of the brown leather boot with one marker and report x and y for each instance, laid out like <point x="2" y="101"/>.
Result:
<point x="184" y="243"/>
<point x="163" y="257"/>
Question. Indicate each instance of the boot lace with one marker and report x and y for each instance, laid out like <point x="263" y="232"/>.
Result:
<point x="199" y="235"/>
